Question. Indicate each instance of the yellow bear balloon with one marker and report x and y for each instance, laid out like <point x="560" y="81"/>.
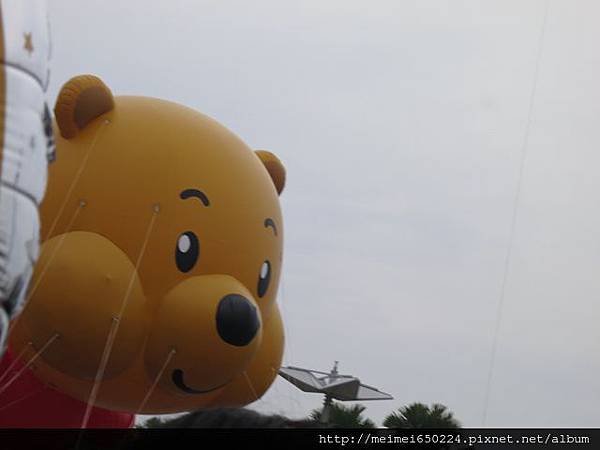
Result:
<point x="156" y="284"/>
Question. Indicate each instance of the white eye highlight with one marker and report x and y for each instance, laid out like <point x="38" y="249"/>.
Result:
<point x="184" y="243"/>
<point x="264" y="270"/>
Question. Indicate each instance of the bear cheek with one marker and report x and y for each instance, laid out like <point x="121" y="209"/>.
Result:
<point x="79" y="298"/>
<point x="214" y="327"/>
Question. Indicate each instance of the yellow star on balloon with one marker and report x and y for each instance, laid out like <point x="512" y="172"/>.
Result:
<point x="28" y="43"/>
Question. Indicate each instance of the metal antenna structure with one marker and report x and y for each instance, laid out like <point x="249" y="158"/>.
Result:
<point x="333" y="385"/>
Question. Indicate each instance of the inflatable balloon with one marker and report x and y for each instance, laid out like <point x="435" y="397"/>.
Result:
<point x="157" y="279"/>
<point x="25" y="145"/>
<point x="29" y="403"/>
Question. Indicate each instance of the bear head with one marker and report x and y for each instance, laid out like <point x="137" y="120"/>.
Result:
<point x="163" y="235"/>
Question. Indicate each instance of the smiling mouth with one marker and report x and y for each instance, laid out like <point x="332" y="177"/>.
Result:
<point x="177" y="378"/>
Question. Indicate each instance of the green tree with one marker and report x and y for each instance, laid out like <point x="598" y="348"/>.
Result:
<point x="345" y="416"/>
<point x="418" y="415"/>
<point x="154" y="422"/>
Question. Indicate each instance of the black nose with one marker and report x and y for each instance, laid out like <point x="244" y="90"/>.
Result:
<point x="237" y="320"/>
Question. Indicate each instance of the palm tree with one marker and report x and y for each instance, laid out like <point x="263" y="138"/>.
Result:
<point x="345" y="416"/>
<point x="418" y="415"/>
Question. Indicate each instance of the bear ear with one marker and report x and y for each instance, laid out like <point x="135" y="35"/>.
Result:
<point x="81" y="100"/>
<point x="274" y="167"/>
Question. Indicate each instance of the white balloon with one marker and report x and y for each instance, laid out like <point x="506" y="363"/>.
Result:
<point x="27" y="145"/>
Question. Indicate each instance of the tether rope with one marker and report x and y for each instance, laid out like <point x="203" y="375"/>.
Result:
<point x="514" y="216"/>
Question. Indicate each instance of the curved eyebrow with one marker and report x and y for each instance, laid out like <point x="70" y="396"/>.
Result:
<point x="188" y="193"/>
<point x="270" y="223"/>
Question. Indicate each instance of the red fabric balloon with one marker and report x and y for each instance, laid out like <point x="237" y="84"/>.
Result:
<point x="29" y="403"/>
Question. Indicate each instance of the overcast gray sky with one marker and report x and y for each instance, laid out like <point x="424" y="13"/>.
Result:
<point x="401" y="124"/>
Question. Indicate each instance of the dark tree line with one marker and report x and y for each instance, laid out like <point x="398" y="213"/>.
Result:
<point x="414" y="415"/>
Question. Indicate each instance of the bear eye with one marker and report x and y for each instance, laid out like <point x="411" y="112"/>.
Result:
<point x="187" y="251"/>
<point x="264" y="277"/>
